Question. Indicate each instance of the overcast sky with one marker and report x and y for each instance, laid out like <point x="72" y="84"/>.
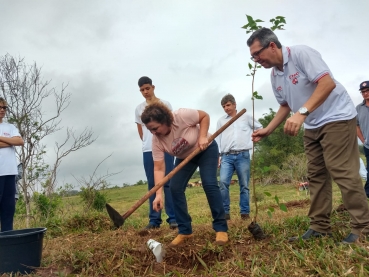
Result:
<point x="195" y="52"/>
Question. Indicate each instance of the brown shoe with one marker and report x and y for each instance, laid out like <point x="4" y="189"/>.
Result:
<point x="180" y="239"/>
<point x="221" y="238"/>
<point x="227" y="216"/>
<point x="245" y="216"/>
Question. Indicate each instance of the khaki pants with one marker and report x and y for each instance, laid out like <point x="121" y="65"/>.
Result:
<point x="332" y="152"/>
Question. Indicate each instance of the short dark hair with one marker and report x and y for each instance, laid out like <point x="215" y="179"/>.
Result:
<point x="264" y="36"/>
<point x="144" y="80"/>
<point x="228" y="98"/>
<point x="2" y="100"/>
<point x="157" y="112"/>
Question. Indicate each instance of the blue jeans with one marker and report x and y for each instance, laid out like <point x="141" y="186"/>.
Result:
<point x="366" y="187"/>
<point x="7" y="202"/>
<point x="207" y="161"/>
<point x="155" y="217"/>
<point x="241" y="164"/>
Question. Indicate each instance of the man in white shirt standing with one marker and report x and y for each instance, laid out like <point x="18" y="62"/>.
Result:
<point x="9" y="137"/>
<point x="147" y="91"/>
<point x="234" y="145"/>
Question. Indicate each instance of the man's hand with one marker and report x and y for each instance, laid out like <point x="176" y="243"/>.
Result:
<point x="203" y="143"/>
<point x="158" y="203"/>
<point x="259" y="134"/>
<point x="293" y="124"/>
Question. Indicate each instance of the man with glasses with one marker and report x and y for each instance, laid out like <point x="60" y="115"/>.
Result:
<point x="362" y="127"/>
<point x="303" y="83"/>
<point x="9" y="137"/>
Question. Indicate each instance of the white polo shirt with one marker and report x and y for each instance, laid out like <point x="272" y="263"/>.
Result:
<point x="303" y="68"/>
<point x="146" y="134"/>
<point x="238" y="135"/>
<point x="8" y="161"/>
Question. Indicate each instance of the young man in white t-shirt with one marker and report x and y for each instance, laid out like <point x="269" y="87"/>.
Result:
<point x="9" y="137"/>
<point x="147" y="89"/>
<point x="303" y="83"/>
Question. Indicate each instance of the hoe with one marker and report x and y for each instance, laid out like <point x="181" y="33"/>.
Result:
<point x="119" y="219"/>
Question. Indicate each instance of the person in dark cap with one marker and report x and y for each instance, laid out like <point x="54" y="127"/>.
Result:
<point x="147" y="90"/>
<point x="362" y="127"/>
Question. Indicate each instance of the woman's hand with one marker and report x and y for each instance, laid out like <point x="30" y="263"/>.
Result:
<point x="203" y="143"/>
<point x="158" y="203"/>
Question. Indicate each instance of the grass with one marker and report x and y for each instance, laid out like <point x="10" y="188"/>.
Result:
<point x="87" y="245"/>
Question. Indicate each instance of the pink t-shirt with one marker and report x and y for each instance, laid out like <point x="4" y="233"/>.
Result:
<point x="182" y="140"/>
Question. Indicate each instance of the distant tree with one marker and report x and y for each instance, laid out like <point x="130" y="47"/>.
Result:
<point x="92" y="189"/>
<point x="28" y="97"/>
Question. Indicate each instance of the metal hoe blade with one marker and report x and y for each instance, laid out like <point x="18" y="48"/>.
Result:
<point x="117" y="219"/>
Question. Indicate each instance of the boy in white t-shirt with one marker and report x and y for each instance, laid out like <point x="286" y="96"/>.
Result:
<point x="9" y="137"/>
<point x="147" y="90"/>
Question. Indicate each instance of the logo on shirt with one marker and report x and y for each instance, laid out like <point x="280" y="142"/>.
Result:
<point x="178" y="145"/>
<point x="279" y="89"/>
<point x="294" y="78"/>
<point x="6" y="134"/>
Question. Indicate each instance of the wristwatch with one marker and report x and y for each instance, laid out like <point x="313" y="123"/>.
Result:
<point x="304" y="111"/>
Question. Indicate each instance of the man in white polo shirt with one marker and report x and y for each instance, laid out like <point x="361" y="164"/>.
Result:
<point x="303" y="83"/>
<point x="234" y="145"/>
<point x="147" y="90"/>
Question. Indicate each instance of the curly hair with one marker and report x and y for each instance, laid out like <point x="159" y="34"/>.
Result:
<point x="157" y="112"/>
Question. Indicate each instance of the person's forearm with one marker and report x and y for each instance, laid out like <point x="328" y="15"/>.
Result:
<point x="14" y="141"/>
<point x="360" y="134"/>
<point x="4" y="145"/>
<point x="320" y="94"/>
<point x="159" y="173"/>
<point x="280" y="116"/>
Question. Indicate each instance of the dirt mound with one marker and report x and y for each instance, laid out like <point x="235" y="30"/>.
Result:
<point x="298" y="203"/>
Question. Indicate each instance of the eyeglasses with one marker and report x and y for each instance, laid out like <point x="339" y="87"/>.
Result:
<point x="256" y="55"/>
<point x="364" y="91"/>
<point x="3" y="108"/>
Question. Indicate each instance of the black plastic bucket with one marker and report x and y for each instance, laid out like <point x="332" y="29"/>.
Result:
<point x="21" y="250"/>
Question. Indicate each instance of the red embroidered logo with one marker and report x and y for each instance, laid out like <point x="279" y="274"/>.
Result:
<point x="364" y="85"/>
<point x="293" y="78"/>
<point x="279" y="88"/>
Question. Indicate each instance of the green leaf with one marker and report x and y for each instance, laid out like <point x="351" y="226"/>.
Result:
<point x="248" y="75"/>
<point x="259" y="20"/>
<point x="276" y="199"/>
<point x="269" y="214"/>
<point x="267" y="193"/>
<point x="283" y="207"/>
<point x="271" y="209"/>
<point x="250" y="19"/>
<point x="250" y="65"/>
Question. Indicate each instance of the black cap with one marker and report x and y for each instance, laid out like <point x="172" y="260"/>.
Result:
<point x="363" y="85"/>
